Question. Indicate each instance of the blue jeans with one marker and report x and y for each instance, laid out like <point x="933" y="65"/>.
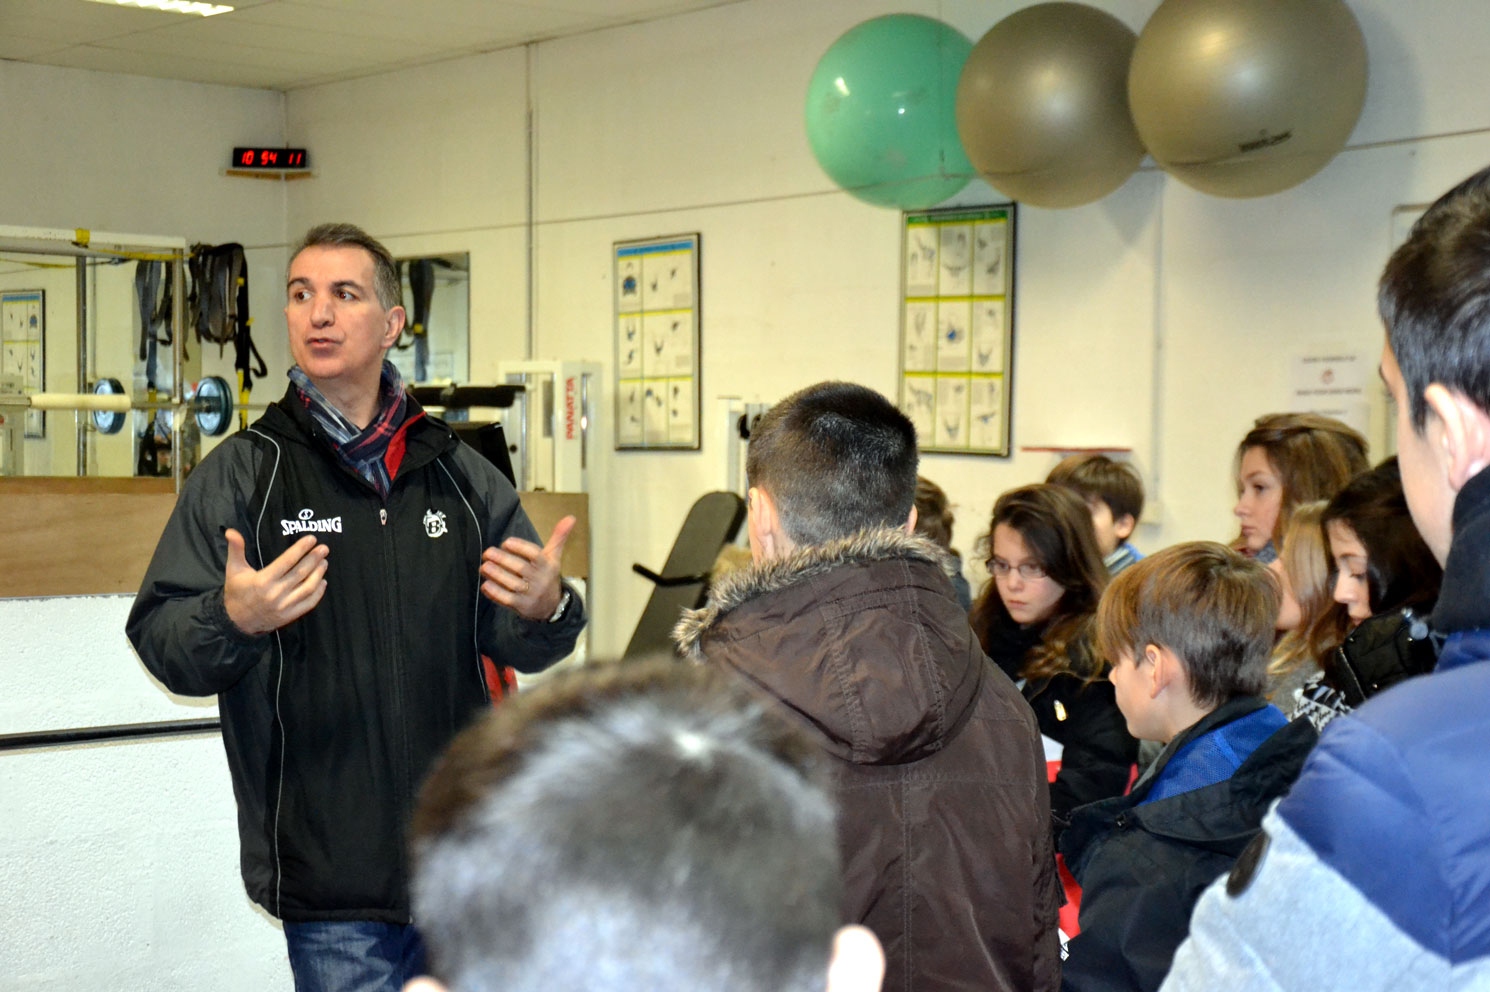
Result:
<point x="353" y="956"/>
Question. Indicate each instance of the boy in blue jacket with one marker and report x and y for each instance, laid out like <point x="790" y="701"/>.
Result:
<point x="1189" y="630"/>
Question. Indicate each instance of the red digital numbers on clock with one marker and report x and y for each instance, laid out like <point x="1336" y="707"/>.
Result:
<point x="269" y="158"/>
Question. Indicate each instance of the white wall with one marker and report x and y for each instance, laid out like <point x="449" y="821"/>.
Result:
<point x="1154" y="307"/>
<point x="120" y="860"/>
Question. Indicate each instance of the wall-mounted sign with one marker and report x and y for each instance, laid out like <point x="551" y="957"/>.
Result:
<point x="956" y="327"/>
<point x="657" y="342"/>
<point x="23" y="343"/>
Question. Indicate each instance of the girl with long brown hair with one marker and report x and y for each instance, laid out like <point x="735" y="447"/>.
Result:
<point x="1034" y="619"/>
<point x="1287" y="459"/>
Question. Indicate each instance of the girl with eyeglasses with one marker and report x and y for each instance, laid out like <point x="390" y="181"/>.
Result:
<point x="1034" y="619"/>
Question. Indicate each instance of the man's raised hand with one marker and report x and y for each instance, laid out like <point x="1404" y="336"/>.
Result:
<point x="524" y="577"/>
<point x="261" y="600"/>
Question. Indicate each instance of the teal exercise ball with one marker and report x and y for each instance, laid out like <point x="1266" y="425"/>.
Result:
<point x="881" y="111"/>
<point x="1042" y="105"/>
<point x="1251" y="98"/>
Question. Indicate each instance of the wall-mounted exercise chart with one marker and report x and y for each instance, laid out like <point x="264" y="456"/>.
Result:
<point x="23" y="348"/>
<point x="957" y="319"/>
<point x="657" y="342"/>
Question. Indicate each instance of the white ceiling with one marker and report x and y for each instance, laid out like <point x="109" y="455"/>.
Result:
<point x="285" y="44"/>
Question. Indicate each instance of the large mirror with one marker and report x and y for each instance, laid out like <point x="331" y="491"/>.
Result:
<point x="41" y="351"/>
<point x="131" y="344"/>
<point x="435" y="348"/>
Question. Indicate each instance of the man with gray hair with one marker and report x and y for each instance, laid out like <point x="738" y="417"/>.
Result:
<point x="341" y="676"/>
<point x="850" y="623"/>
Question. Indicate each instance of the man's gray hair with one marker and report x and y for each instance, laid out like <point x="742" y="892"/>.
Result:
<point x="386" y="281"/>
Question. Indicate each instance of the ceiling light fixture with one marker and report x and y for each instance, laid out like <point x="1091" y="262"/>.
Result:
<point x="172" y="6"/>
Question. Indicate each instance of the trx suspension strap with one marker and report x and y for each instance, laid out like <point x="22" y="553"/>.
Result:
<point x="155" y="330"/>
<point x="422" y="288"/>
<point x="155" y="314"/>
<point x="219" y="312"/>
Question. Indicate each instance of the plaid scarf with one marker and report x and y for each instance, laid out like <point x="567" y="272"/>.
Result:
<point x="363" y="451"/>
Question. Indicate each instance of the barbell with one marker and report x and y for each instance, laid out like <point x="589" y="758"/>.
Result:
<point x="211" y="403"/>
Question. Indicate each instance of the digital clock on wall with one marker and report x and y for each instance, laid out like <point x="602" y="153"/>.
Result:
<point x="283" y="159"/>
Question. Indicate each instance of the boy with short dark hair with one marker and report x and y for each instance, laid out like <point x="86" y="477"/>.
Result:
<point x="1189" y="631"/>
<point x="1114" y="493"/>
<point x="847" y="621"/>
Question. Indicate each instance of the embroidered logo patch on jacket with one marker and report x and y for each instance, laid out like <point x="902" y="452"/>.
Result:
<point x="434" y="523"/>
<point x="308" y="523"/>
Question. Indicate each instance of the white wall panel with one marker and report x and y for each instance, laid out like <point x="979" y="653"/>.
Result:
<point x="120" y="859"/>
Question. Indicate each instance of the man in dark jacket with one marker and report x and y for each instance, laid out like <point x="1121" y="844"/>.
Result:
<point x="1373" y="874"/>
<point x="341" y="676"/>
<point x="851" y="623"/>
<point x="1190" y="630"/>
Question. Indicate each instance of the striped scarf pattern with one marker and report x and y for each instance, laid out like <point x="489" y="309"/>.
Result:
<point x="363" y="451"/>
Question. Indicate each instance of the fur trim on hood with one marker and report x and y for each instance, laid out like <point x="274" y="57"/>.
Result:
<point x="879" y="544"/>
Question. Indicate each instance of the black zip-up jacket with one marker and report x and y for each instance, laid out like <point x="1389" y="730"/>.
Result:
<point x="1142" y="866"/>
<point x="331" y="722"/>
<point x="1083" y="717"/>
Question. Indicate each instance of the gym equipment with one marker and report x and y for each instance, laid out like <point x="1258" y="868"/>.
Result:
<point x="155" y="313"/>
<point x="218" y="311"/>
<point x="740" y="419"/>
<point x="421" y="275"/>
<point x="881" y="111"/>
<point x="550" y="434"/>
<point x="683" y="584"/>
<point x="88" y="249"/>
<point x="210" y="402"/>
<point x="487" y="437"/>
<point x="1042" y="105"/>
<point x="1246" y="99"/>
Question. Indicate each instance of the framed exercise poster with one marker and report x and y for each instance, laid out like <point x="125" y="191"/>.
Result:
<point x="657" y="342"/>
<point x="23" y="356"/>
<point x="956" y="327"/>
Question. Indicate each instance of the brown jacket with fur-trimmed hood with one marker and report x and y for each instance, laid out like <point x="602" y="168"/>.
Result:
<point x="944" y="809"/>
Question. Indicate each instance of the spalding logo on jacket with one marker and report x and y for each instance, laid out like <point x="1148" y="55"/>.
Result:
<point x="308" y="524"/>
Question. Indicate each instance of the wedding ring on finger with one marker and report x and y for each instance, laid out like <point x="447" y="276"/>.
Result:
<point x="525" y="587"/>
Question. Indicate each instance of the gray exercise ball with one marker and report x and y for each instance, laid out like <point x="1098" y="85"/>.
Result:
<point x="1042" y="105"/>
<point x="1247" y="97"/>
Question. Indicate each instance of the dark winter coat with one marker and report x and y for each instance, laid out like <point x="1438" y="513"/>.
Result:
<point x="331" y="721"/>
<point x="1097" y="752"/>
<point x="1142" y="867"/>
<point x="939" y="768"/>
